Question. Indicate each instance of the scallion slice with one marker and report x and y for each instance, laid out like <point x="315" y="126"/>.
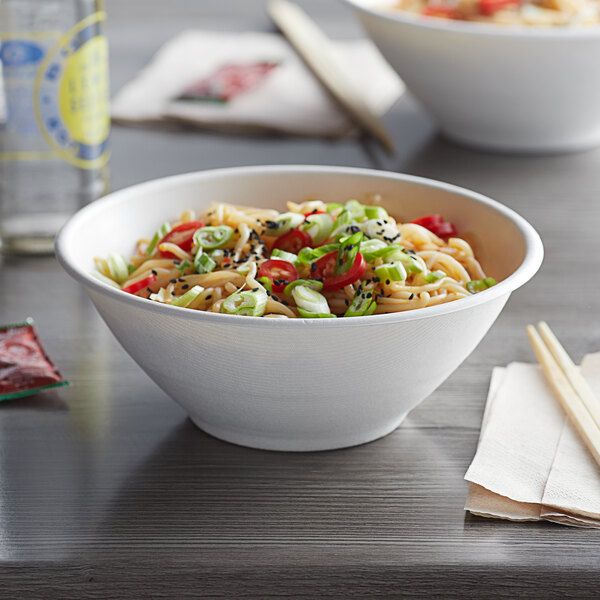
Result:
<point x="188" y="297"/>
<point x="183" y="266"/>
<point x="356" y="209"/>
<point x="310" y="301"/>
<point x="250" y="303"/>
<point x="478" y="285"/>
<point x="311" y="315"/>
<point x="203" y="263"/>
<point x="159" y="235"/>
<point x="311" y="283"/>
<point x="267" y="284"/>
<point x="210" y="238"/>
<point x="375" y="212"/>
<point x="362" y="304"/>
<point x="347" y="253"/>
<point x="283" y="223"/>
<point x="283" y="255"/>
<point x="308" y="255"/>
<point x="434" y="276"/>
<point x="333" y="206"/>
<point x="393" y="271"/>
<point x="319" y="227"/>
<point x="105" y="279"/>
<point x="117" y="267"/>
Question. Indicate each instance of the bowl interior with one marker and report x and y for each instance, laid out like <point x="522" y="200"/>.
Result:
<point x="116" y="222"/>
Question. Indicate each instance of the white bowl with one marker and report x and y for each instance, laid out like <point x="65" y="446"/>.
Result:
<point x="297" y="384"/>
<point x="523" y="89"/>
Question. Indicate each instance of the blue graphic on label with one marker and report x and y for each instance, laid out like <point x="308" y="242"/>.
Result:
<point x="57" y="95"/>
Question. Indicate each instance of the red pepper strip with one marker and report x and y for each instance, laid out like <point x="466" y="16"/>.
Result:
<point x="437" y="225"/>
<point x="314" y="212"/>
<point x="280" y="272"/>
<point x="489" y="7"/>
<point x="182" y="236"/>
<point x="325" y="266"/>
<point x="139" y="285"/>
<point x="439" y="10"/>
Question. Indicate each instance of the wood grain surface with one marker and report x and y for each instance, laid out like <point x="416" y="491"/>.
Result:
<point x="107" y="490"/>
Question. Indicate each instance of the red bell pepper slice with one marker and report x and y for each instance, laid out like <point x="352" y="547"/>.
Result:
<point x="182" y="236"/>
<point x="280" y="272"/>
<point x="293" y="241"/>
<point x="140" y="285"/>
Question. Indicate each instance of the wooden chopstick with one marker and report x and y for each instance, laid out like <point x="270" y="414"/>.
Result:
<point x="559" y="369"/>
<point x="315" y="48"/>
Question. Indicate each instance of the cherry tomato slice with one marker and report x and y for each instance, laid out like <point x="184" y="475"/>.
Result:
<point x="293" y="241"/>
<point x="437" y="225"/>
<point x="182" y="236"/>
<point x="324" y="270"/>
<point x="140" y="285"/>
<point x="314" y="212"/>
<point x="280" y="272"/>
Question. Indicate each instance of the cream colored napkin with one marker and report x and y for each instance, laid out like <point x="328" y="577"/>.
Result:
<point x="530" y="463"/>
<point x="289" y="99"/>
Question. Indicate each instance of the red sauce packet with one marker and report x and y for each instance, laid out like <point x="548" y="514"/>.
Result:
<point x="24" y="366"/>
<point x="228" y="81"/>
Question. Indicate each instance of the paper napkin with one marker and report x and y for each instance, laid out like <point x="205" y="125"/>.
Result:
<point x="250" y="82"/>
<point x="530" y="463"/>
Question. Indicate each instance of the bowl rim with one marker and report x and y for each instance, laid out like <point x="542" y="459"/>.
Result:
<point x="448" y="26"/>
<point x="531" y="263"/>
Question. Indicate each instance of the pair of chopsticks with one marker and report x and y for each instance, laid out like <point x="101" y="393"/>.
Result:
<point x="571" y="389"/>
<point x="315" y="48"/>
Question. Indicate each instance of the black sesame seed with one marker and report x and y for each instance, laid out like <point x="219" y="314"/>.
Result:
<point x="181" y="279"/>
<point x="209" y="297"/>
<point x="173" y="280"/>
<point x="370" y="295"/>
<point x="255" y="289"/>
<point x="185" y="286"/>
<point x="411" y="296"/>
<point x="176" y="262"/>
<point x="148" y="290"/>
<point x="313" y="267"/>
<point x="387" y="282"/>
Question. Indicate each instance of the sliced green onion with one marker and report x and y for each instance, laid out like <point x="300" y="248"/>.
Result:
<point x="347" y="253"/>
<point x="183" y="266"/>
<point x="356" y="209"/>
<point x="105" y="279"/>
<point x="267" y="283"/>
<point x="393" y="271"/>
<point x="408" y="260"/>
<point x="433" y="276"/>
<point x="478" y="285"/>
<point x="375" y="212"/>
<point x="161" y="296"/>
<point x="333" y="206"/>
<point x="243" y="269"/>
<point x="131" y="268"/>
<point x="283" y="223"/>
<point x="310" y="301"/>
<point x="313" y="284"/>
<point x="283" y="255"/>
<point x="311" y="315"/>
<point x="203" y="263"/>
<point x="248" y="303"/>
<point x="117" y="267"/>
<point x="379" y="229"/>
<point x="159" y="235"/>
<point x="319" y="227"/>
<point x="362" y="304"/>
<point x="344" y="219"/>
<point x="308" y="255"/>
<point x="188" y="297"/>
<point x="209" y="238"/>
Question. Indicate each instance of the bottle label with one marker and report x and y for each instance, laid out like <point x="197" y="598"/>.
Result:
<point x="56" y="95"/>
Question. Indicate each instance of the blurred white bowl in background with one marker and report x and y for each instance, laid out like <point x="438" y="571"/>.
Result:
<point x="513" y="89"/>
<point x="298" y="384"/>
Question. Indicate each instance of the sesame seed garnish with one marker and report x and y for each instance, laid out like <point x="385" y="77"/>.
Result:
<point x="209" y="297"/>
<point x="185" y="286"/>
<point x="411" y="296"/>
<point x="172" y="280"/>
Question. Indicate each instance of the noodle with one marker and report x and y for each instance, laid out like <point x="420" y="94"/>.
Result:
<point x="169" y="269"/>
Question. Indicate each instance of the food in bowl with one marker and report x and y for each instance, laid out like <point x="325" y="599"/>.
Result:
<point x="298" y="384"/>
<point x="509" y="12"/>
<point x="317" y="260"/>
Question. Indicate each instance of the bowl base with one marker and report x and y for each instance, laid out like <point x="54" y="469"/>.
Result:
<point x="264" y="442"/>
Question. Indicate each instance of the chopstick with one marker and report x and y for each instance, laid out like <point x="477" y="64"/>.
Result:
<point x="315" y="48"/>
<point x="571" y="389"/>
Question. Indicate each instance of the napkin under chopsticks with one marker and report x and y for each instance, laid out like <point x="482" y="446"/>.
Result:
<point x="531" y="464"/>
<point x="276" y="92"/>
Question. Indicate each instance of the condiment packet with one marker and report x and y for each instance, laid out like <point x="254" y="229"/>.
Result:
<point x="25" y="368"/>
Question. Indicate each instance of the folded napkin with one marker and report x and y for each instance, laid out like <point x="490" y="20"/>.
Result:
<point x="251" y="82"/>
<point x="530" y="464"/>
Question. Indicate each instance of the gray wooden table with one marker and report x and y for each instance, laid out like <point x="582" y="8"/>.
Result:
<point x="108" y="491"/>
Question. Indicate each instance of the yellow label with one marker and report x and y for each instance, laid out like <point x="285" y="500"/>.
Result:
<point x="83" y="93"/>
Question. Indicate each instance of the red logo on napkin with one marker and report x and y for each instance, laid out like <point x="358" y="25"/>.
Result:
<point x="228" y="81"/>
